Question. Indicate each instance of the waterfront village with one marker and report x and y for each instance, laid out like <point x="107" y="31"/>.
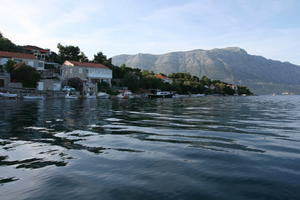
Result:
<point x="31" y="72"/>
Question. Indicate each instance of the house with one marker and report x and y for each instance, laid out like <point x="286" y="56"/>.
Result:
<point x="89" y="73"/>
<point x="38" y="52"/>
<point x="164" y="78"/>
<point x="28" y="59"/>
<point x="212" y="87"/>
<point x="233" y="86"/>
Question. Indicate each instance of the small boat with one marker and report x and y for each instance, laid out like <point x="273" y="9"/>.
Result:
<point x="180" y="96"/>
<point x="8" y="95"/>
<point x="160" y="94"/>
<point x="33" y="97"/>
<point x="71" y="96"/>
<point x="88" y="96"/>
<point x="103" y="95"/>
<point x="197" y="95"/>
<point x="125" y="95"/>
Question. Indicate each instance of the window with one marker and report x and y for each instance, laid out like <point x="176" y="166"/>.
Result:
<point x="41" y="65"/>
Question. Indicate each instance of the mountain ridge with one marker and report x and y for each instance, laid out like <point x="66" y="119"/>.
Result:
<point x="230" y="64"/>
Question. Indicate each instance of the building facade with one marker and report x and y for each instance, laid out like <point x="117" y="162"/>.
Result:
<point x="4" y="79"/>
<point x="28" y="59"/>
<point x="38" y="52"/>
<point x="90" y="73"/>
<point x="164" y="78"/>
<point x="49" y="84"/>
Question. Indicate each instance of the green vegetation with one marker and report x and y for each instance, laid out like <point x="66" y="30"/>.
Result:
<point x="181" y="83"/>
<point x="70" y="53"/>
<point x="102" y="59"/>
<point x="25" y="74"/>
<point x="7" y="45"/>
<point x="243" y="90"/>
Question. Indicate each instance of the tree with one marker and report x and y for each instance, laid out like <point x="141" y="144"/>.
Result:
<point x="76" y="83"/>
<point x="102" y="59"/>
<point x="244" y="90"/>
<point x="205" y="80"/>
<point x="7" y="45"/>
<point x="9" y="66"/>
<point x="54" y="57"/>
<point x="83" y="57"/>
<point x="228" y="90"/>
<point x="70" y="53"/>
<point x="25" y="74"/>
<point x="103" y="86"/>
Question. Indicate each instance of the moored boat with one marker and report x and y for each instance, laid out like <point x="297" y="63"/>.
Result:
<point x="125" y="95"/>
<point x="33" y="97"/>
<point x="8" y="95"/>
<point x="160" y="94"/>
<point x="197" y="95"/>
<point x="71" y="96"/>
<point x="103" y="95"/>
<point x="89" y="96"/>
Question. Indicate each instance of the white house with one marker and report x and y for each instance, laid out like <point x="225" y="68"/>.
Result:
<point x="28" y="59"/>
<point x="164" y="78"/>
<point x="90" y="73"/>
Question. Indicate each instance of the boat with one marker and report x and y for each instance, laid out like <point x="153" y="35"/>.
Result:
<point x="103" y="95"/>
<point x="89" y="96"/>
<point x="180" y="96"/>
<point x="8" y="95"/>
<point x="125" y="95"/>
<point x="197" y="95"/>
<point x="33" y="97"/>
<point x="71" y="96"/>
<point x="160" y="94"/>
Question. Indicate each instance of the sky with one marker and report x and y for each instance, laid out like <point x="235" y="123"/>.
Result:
<point x="270" y="28"/>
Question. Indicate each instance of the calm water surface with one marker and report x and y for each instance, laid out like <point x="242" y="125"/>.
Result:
<point x="204" y="148"/>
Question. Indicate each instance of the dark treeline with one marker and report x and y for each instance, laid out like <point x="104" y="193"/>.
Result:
<point x="182" y="83"/>
<point x="7" y="45"/>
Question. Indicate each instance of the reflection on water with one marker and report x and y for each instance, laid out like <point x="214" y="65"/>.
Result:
<point x="204" y="148"/>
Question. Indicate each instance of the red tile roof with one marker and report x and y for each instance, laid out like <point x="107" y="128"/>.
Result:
<point x="30" y="48"/>
<point x="86" y="64"/>
<point x="6" y="54"/>
<point x="160" y="76"/>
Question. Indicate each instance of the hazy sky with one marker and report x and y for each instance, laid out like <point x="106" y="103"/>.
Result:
<point x="270" y="28"/>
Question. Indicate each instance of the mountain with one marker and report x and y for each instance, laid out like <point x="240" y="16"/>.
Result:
<point x="232" y="64"/>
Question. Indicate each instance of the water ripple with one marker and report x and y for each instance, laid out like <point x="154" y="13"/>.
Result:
<point x="187" y="148"/>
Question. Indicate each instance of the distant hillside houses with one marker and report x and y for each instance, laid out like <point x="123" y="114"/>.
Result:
<point x="164" y="78"/>
<point x="38" y="52"/>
